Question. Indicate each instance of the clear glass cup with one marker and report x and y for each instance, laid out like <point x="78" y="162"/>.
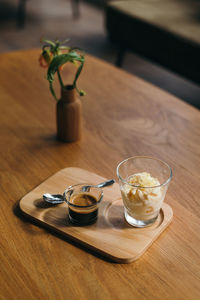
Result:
<point x="143" y="198"/>
<point x="83" y="206"/>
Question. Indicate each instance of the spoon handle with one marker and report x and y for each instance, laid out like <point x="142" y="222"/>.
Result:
<point x="53" y="199"/>
<point x="105" y="183"/>
<point x="56" y="199"/>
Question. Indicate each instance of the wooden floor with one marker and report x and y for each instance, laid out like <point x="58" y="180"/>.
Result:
<point x="54" y="19"/>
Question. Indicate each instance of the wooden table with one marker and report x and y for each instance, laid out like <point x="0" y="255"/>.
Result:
<point x="123" y="116"/>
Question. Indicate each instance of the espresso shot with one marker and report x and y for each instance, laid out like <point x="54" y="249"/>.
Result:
<point x="85" y="210"/>
<point x="83" y="206"/>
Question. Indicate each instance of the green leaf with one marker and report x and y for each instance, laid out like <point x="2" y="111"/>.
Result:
<point x="65" y="41"/>
<point x="48" y="42"/>
<point x="82" y="93"/>
<point x="52" y="90"/>
<point x="59" y="61"/>
<point x="64" y="47"/>
<point x="78" y="73"/>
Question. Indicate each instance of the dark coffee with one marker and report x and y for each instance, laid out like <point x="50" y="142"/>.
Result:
<point x="85" y="211"/>
<point x="82" y="218"/>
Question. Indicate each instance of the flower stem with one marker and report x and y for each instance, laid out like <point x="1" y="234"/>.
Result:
<point x="60" y="80"/>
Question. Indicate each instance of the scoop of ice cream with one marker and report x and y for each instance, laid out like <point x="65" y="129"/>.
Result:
<point x="143" y="193"/>
<point x="143" y="179"/>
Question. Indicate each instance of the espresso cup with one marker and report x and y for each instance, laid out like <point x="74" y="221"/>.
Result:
<point x="83" y="206"/>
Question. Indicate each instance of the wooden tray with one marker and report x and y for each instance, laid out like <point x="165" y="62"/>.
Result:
<point x="111" y="235"/>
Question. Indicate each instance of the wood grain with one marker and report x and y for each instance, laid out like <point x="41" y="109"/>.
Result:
<point x="111" y="236"/>
<point x="123" y="116"/>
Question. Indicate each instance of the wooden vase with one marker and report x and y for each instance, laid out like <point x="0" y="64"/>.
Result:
<point x="69" y="116"/>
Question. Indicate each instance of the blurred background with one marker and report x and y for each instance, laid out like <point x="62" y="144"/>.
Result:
<point x="115" y="31"/>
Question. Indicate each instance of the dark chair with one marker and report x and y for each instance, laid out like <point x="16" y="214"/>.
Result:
<point x="165" y="31"/>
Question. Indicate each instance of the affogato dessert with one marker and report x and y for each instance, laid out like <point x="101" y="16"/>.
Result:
<point x="142" y="196"/>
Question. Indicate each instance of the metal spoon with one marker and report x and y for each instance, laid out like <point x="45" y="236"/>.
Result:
<point x="58" y="198"/>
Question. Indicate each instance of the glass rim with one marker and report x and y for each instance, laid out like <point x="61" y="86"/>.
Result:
<point x="145" y="187"/>
<point x="83" y="184"/>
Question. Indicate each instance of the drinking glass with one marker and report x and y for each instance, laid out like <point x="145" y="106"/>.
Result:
<point x="142" y="204"/>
